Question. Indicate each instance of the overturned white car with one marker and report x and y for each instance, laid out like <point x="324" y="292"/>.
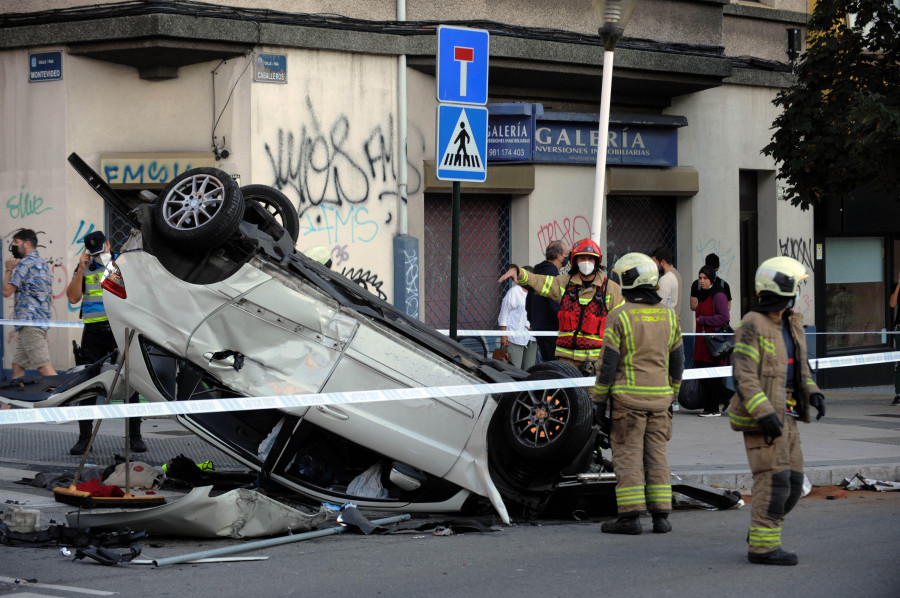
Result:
<point x="223" y="306"/>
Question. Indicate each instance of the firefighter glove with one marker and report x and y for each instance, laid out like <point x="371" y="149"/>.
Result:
<point x="770" y="426"/>
<point x="817" y="400"/>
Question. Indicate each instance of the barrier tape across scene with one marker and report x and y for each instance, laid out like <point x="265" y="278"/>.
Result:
<point x="459" y="333"/>
<point x="299" y="401"/>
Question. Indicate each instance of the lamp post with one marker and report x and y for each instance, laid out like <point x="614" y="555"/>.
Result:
<point x="611" y="17"/>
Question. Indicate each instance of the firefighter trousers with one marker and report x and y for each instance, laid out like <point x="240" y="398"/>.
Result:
<point x="777" y="484"/>
<point x="638" y="439"/>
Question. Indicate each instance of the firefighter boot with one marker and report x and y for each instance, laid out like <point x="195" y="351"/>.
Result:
<point x="134" y="431"/>
<point x="661" y="523"/>
<point x="84" y="437"/>
<point x="627" y="524"/>
<point x="779" y="556"/>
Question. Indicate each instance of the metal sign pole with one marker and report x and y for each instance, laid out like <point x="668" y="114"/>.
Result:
<point x="454" y="262"/>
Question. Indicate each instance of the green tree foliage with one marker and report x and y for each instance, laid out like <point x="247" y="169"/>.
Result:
<point x="840" y="129"/>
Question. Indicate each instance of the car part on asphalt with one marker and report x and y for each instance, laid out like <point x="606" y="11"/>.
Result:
<point x="239" y="513"/>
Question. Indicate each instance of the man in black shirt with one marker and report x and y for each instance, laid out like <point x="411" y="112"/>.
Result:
<point x="542" y="311"/>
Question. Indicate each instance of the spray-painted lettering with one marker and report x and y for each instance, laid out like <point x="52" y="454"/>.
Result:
<point x="25" y="204"/>
<point x="367" y="280"/>
<point x="411" y="274"/>
<point x="568" y="231"/>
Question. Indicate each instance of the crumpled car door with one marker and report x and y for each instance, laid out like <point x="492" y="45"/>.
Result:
<point x="272" y="340"/>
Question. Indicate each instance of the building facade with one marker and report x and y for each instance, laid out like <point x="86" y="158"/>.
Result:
<point x="314" y="97"/>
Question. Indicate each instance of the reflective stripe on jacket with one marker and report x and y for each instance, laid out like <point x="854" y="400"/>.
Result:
<point x="576" y="341"/>
<point x="92" y="309"/>
<point x="760" y="368"/>
<point x="644" y="336"/>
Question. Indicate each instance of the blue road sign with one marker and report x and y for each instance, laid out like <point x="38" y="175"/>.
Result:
<point x="461" y="143"/>
<point x="462" y="65"/>
<point x="45" y="66"/>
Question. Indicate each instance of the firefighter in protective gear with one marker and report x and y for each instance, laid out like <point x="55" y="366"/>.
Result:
<point x="97" y="339"/>
<point x="585" y="297"/>
<point x="774" y="389"/>
<point x="639" y="375"/>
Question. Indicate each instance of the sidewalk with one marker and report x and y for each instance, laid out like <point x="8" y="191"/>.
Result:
<point x="859" y="434"/>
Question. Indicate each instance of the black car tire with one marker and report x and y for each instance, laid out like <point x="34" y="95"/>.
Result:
<point x="276" y="204"/>
<point x="199" y="209"/>
<point x="548" y="427"/>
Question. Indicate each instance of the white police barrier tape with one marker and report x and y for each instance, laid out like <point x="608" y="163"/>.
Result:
<point x="461" y="333"/>
<point x="43" y="323"/>
<point x="88" y="412"/>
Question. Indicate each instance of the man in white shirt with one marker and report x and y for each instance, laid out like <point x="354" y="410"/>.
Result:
<point x="520" y="344"/>
<point x="670" y="284"/>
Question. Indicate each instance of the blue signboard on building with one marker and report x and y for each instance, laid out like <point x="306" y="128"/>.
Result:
<point x="571" y="138"/>
<point x="270" y="68"/>
<point x="523" y="133"/>
<point x="45" y="66"/>
<point x="511" y="131"/>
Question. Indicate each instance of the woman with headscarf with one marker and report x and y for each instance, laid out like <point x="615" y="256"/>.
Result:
<point x="711" y="315"/>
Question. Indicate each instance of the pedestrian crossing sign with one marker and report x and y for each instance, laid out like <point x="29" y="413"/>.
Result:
<point x="461" y="143"/>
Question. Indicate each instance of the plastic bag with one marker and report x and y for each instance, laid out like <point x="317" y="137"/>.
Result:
<point x="368" y="484"/>
<point x="689" y="395"/>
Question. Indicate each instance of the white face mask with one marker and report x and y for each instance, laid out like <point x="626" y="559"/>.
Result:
<point x="586" y="267"/>
<point x="104" y="258"/>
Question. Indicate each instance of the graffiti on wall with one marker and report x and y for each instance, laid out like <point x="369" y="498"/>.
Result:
<point x="727" y="256"/>
<point x="324" y="167"/>
<point x="801" y="250"/>
<point x="367" y="280"/>
<point x="568" y="230"/>
<point x="354" y="226"/>
<point x="344" y="182"/>
<point x="411" y="280"/>
<point x="24" y="204"/>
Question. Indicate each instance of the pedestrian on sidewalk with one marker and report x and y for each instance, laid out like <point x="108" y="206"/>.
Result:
<point x="639" y="374"/>
<point x="711" y="316"/>
<point x="518" y="342"/>
<point x="27" y="276"/>
<point x="770" y="398"/>
<point x="895" y="341"/>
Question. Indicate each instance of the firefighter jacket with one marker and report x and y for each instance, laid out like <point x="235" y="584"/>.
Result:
<point x="582" y="310"/>
<point x="643" y="358"/>
<point x="760" y="368"/>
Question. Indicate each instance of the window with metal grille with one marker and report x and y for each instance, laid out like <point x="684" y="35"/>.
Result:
<point x="484" y="251"/>
<point x="638" y="223"/>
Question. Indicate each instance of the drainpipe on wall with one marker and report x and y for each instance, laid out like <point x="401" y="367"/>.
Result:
<point x="406" y="248"/>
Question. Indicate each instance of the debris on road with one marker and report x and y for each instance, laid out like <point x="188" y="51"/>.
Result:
<point x="858" y="482"/>
<point x="238" y="513"/>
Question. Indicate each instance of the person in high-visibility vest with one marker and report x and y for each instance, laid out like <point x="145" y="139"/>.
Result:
<point x="97" y="340"/>
<point x="584" y="295"/>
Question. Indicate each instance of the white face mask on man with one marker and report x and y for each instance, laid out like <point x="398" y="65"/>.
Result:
<point x="104" y="258"/>
<point x="586" y="267"/>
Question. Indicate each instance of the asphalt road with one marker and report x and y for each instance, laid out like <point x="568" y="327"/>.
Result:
<point x="847" y="546"/>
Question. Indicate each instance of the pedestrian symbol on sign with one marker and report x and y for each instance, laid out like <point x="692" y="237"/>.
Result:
<point x="461" y="150"/>
<point x="465" y="156"/>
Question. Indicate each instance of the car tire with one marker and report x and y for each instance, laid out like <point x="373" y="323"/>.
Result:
<point x="547" y="427"/>
<point x="199" y="209"/>
<point x="276" y="204"/>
